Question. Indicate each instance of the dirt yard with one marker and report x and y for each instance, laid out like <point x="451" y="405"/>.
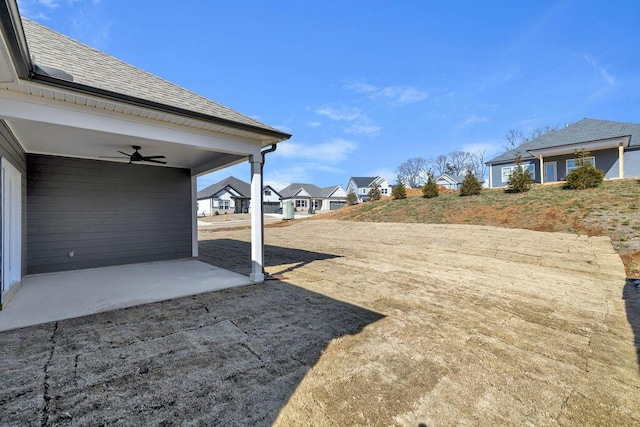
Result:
<point x="369" y="324"/>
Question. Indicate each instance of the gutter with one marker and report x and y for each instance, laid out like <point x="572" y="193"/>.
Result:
<point x="11" y="26"/>
<point x="139" y="102"/>
<point x="271" y="149"/>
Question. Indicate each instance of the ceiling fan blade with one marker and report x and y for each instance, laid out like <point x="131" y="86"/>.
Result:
<point x="153" y="157"/>
<point x="128" y="155"/>
<point x="154" y="161"/>
<point x="118" y="157"/>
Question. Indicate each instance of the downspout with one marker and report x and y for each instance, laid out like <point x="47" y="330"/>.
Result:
<point x="273" y="148"/>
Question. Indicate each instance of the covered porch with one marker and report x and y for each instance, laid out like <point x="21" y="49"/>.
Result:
<point x="102" y="162"/>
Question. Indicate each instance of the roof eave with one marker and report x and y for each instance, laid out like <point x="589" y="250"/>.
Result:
<point x="273" y="135"/>
<point x="11" y="27"/>
<point x="602" y="144"/>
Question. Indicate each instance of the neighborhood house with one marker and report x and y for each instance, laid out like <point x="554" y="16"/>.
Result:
<point x="613" y="147"/>
<point x="309" y="197"/>
<point x="360" y="186"/>
<point x="228" y="195"/>
<point x="454" y="182"/>
<point x="100" y="159"/>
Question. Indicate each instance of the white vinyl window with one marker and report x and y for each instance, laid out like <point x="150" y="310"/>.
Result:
<point x="573" y="163"/>
<point x="301" y="203"/>
<point x="506" y="171"/>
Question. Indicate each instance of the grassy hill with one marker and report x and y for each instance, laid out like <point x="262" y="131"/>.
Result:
<point x="613" y="210"/>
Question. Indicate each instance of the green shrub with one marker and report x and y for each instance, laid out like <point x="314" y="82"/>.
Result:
<point x="430" y="189"/>
<point x="216" y="213"/>
<point x="374" y="193"/>
<point x="352" y="199"/>
<point x="520" y="179"/>
<point x="470" y="186"/>
<point x="399" y="191"/>
<point x="585" y="175"/>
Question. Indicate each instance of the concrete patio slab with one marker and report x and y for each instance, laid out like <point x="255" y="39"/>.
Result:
<point x="65" y="295"/>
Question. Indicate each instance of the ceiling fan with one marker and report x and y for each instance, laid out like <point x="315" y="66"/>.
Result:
<point x="137" y="157"/>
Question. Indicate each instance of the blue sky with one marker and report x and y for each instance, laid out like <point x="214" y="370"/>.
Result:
<point x="366" y="85"/>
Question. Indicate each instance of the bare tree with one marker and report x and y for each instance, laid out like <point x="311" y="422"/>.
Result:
<point x="477" y="162"/>
<point x="413" y="173"/>
<point x="537" y="132"/>
<point x="459" y="161"/>
<point x="515" y="138"/>
<point x="438" y="165"/>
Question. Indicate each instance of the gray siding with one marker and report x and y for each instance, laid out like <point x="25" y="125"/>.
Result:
<point x="107" y="213"/>
<point x="13" y="152"/>
<point x="496" y="172"/>
<point x="632" y="163"/>
<point x="606" y="160"/>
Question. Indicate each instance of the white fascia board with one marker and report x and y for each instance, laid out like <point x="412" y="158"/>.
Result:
<point x="27" y="107"/>
<point x="602" y="144"/>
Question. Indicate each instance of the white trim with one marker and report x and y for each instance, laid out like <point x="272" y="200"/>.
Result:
<point x="76" y="99"/>
<point x="602" y="144"/>
<point x="257" y="231"/>
<point x="11" y="226"/>
<point x="194" y="216"/>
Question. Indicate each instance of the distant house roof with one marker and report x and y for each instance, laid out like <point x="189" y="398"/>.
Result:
<point x="313" y="191"/>
<point x="63" y="61"/>
<point x="363" y="181"/>
<point x="586" y="130"/>
<point x="240" y="187"/>
<point x="457" y="179"/>
<point x="268" y="187"/>
<point x="328" y="191"/>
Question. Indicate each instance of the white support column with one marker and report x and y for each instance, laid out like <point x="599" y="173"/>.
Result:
<point x="257" y="245"/>
<point x="194" y="216"/>
<point x="621" y="161"/>
<point x="541" y="169"/>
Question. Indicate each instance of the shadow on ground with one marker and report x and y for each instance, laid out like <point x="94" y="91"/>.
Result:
<point x="631" y="296"/>
<point x="232" y="357"/>
<point x="234" y="255"/>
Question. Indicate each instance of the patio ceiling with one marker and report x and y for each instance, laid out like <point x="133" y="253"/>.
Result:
<point x="53" y="139"/>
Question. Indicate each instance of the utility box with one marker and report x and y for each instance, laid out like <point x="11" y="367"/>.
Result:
<point x="288" y="212"/>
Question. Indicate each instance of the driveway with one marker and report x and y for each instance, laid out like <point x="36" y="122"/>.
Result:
<point x="369" y="324"/>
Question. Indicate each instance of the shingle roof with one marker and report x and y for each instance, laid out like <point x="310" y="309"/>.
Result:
<point x="237" y="185"/>
<point x="585" y="130"/>
<point x="290" y="190"/>
<point x="363" y="181"/>
<point x="93" y="68"/>
<point x="459" y="179"/>
<point x="327" y="191"/>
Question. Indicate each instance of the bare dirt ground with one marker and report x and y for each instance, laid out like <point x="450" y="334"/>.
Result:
<point x="370" y="324"/>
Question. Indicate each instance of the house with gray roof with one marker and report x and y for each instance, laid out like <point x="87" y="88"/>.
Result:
<point x="307" y="197"/>
<point x="454" y="182"/>
<point x="104" y="157"/>
<point x="613" y="147"/>
<point x="361" y="185"/>
<point x="229" y="195"/>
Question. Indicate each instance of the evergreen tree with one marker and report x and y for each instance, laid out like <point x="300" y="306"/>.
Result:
<point x="374" y="193"/>
<point x="399" y="191"/>
<point x="352" y="199"/>
<point x="430" y="189"/>
<point x="520" y="179"/>
<point x="470" y="186"/>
